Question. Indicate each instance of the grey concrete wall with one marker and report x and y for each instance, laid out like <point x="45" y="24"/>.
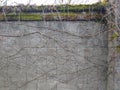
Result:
<point x="53" y="55"/>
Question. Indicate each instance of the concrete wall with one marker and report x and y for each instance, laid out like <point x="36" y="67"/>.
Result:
<point x="53" y="55"/>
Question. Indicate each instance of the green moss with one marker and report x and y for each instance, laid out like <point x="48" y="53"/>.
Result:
<point x="49" y="16"/>
<point x="31" y="17"/>
<point x="22" y="16"/>
<point x="1" y="17"/>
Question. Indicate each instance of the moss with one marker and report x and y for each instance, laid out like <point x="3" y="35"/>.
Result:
<point x="53" y="16"/>
<point x="31" y="17"/>
<point x="1" y="17"/>
<point x="22" y="16"/>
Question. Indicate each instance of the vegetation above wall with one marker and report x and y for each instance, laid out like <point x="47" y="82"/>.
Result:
<point x="58" y="12"/>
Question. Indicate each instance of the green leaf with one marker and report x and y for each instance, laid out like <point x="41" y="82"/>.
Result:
<point x="115" y="35"/>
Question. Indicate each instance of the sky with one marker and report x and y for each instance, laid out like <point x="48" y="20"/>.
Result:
<point x="46" y="2"/>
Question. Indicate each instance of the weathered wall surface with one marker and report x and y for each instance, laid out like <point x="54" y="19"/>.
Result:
<point x="53" y="55"/>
